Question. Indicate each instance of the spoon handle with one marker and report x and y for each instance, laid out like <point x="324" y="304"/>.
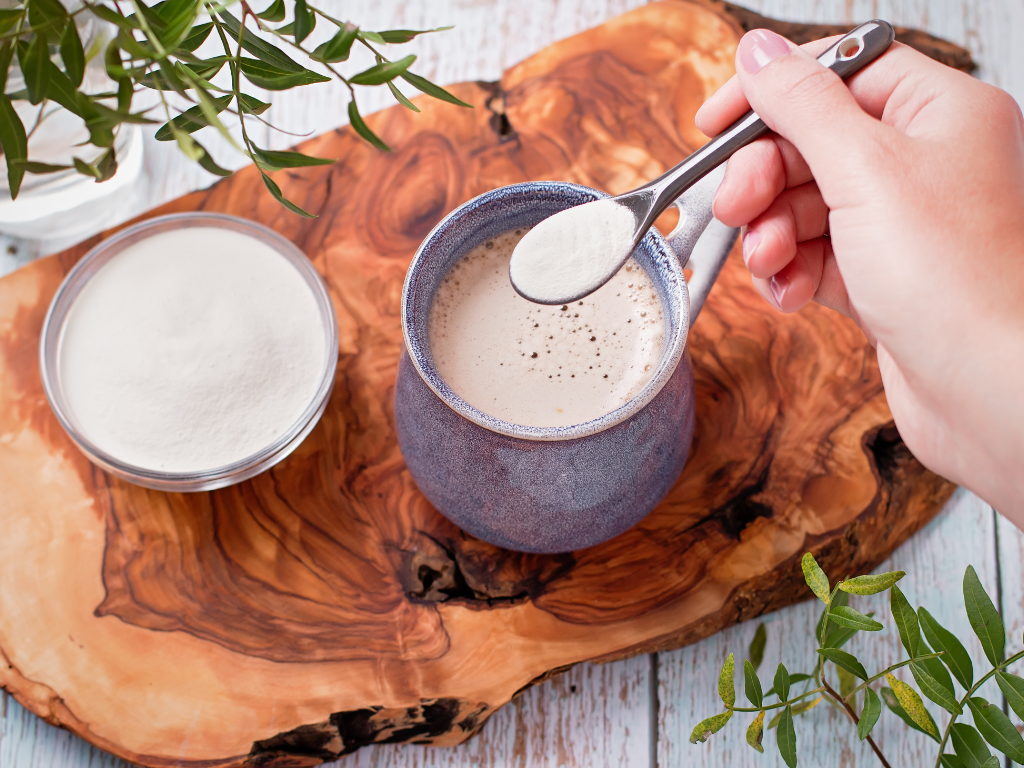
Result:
<point x="849" y="55"/>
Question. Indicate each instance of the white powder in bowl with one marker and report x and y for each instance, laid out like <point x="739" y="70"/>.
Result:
<point x="573" y="253"/>
<point x="191" y="349"/>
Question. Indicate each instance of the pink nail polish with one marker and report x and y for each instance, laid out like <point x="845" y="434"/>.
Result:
<point x="779" y="284"/>
<point x="760" y="46"/>
<point x="750" y="241"/>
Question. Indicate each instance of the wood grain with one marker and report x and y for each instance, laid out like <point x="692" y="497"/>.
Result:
<point x="324" y="606"/>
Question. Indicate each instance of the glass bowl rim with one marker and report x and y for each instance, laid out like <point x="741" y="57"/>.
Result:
<point x="215" y="477"/>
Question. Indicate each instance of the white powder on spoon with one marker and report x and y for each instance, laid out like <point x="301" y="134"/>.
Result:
<point x="191" y="349"/>
<point x="573" y="253"/>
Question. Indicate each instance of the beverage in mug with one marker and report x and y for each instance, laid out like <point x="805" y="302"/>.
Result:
<point x="542" y="366"/>
<point x="542" y="464"/>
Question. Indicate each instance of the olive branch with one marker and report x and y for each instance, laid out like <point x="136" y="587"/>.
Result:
<point x="932" y="670"/>
<point x="154" y="47"/>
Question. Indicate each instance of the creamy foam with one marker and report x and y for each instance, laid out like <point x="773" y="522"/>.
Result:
<point x="543" y="366"/>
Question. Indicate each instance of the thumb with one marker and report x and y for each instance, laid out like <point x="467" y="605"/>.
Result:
<point x="806" y="103"/>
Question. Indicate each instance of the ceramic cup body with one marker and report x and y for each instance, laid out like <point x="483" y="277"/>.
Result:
<point x="534" y="489"/>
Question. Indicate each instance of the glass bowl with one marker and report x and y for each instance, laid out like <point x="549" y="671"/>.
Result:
<point x="207" y="479"/>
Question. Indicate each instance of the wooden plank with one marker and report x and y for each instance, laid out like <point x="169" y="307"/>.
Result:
<point x="592" y="715"/>
<point x="934" y="560"/>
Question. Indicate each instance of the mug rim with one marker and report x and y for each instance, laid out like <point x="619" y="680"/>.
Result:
<point x="672" y="351"/>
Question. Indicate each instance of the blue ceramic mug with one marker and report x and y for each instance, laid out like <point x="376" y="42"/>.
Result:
<point x="554" y="489"/>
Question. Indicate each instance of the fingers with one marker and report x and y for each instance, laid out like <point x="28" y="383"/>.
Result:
<point x="796" y="283"/>
<point x="901" y="68"/>
<point x="807" y="104"/>
<point x="728" y="104"/>
<point x="754" y="177"/>
<point x="772" y="239"/>
<point x="812" y="274"/>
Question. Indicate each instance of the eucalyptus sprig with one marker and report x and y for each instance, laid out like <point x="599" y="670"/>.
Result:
<point x="933" y="671"/>
<point x="155" y="47"/>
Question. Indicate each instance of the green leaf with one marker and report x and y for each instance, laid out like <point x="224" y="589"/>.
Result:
<point x="338" y="48"/>
<point x="380" y="73"/>
<point x="795" y="678"/>
<point x="252" y="105"/>
<point x="401" y="97"/>
<point x="782" y="683"/>
<point x="361" y="128"/>
<point x="840" y="636"/>
<point x="113" y="17"/>
<point x="35" y="67"/>
<point x="33" y="167"/>
<point x="259" y="48"/>
<point x="14" y="143"/>
<point x="997" y="729"/>
<point x="6" y="55"/>
<point x="906" y="620"/>
<point x="405" y="35"/>
<point x="196" y="37"/>
<point x="206" y="161"/>
<point x="845" y="660"/>
<point x="47" y="15"/>
<point x="373" y="37"/>
<point x="841" y="598"/>
<point x="751" y="685"/>
<point x="8" y="18"/>
<point x="124" y="94"/>
<point x="73" y="55"/>
<point x="786" y="737"/>
<point x="1013" y="689"/>
<point x="191" y="120"/>
<point x="708" y="726"/>
<point x="872" y="584"/>
<point x="798" y="709"/>
<point x="913" y="706"/>
<point x="984" y="618"/>
<point x="968" y="745"/>
<point x="935" y="690"/>
<point x="427" y="87"/>
<point x="934" y="667"/>
<point x="102" y="169"/>
<point x="275" y="12"/>
<point x="726" y="686"/>
<point x="756" y="650"/>
<point x="270" y="161"/>
<point x="816" y="578"/>
<point x="992" y="762"/>
<point x="263" y="75"/>
<point x="954" y="655"/>
<point x="178" y="16"/>
<point x="276" y="192"/>
<point x="948" y="760"/>
<point x="755" y="732"/>
<point x="869" y="715"/>
<point x="304" y="22"/>
<point x="845" y="616"/>
<point x="847" y="683"/>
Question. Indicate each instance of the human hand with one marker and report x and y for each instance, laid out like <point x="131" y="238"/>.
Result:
<point x="896" y="199"/>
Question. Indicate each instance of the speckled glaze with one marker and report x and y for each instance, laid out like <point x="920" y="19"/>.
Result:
<point x="537" y="489"/>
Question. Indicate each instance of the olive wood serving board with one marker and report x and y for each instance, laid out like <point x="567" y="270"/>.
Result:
<point x="325" y="605"/>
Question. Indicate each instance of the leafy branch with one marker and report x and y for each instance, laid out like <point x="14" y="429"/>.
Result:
<point x="156" y="47"/>
<point x="933" y="672"/>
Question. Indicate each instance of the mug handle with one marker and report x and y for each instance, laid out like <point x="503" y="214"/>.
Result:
<point x="700" y="240"/>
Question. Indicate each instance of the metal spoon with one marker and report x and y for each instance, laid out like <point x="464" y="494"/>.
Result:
<point x="848" y="55"/>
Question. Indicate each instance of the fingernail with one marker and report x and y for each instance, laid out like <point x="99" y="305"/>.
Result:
<point x="760" y="46"/>
<point x="779" y="285"/>
<point x="750" y="241"/>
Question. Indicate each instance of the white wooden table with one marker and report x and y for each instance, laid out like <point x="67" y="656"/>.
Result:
<point x="639" y="712"/>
